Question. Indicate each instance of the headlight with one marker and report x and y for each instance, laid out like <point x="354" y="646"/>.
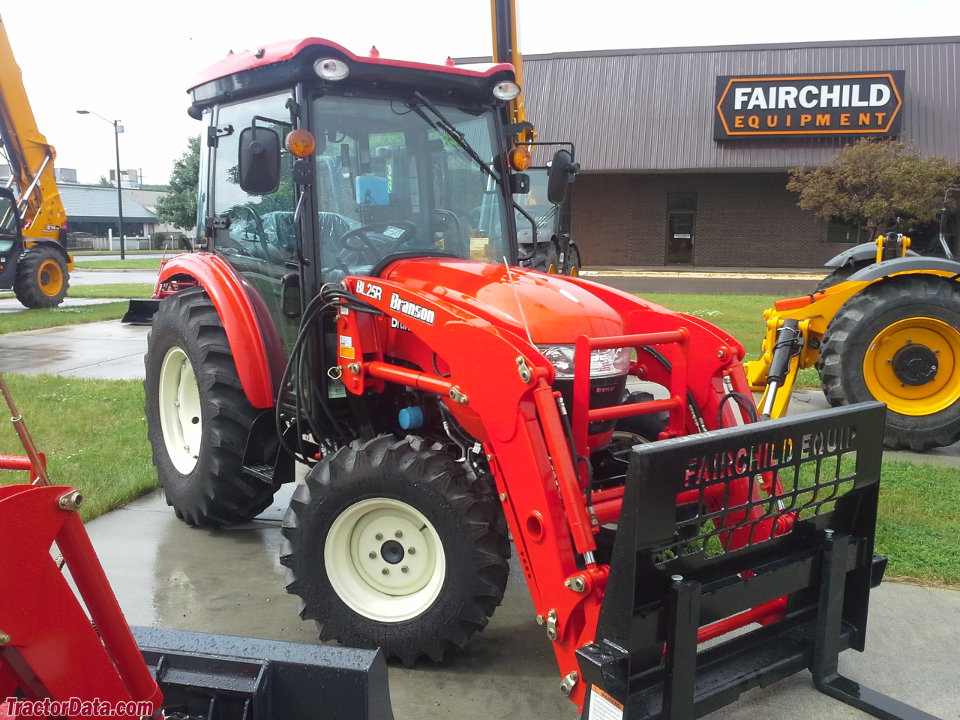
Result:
<point x="603" y="363"/>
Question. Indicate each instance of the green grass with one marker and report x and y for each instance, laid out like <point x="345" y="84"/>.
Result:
<point x="93" y="433"/>
<point x="81" y="253"/>
<point x="739" y="315"/>
<point x="55" y="317"/>
<point x="918" y="526"/>
<point x="118" y="264"/>
<point x="116" y="290"/>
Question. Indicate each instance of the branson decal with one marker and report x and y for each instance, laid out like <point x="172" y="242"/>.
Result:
<point x="411" y="309"/>
<point x="867" y="103"/>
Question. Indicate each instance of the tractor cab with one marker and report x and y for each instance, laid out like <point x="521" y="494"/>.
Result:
<point x="330" y="172"/>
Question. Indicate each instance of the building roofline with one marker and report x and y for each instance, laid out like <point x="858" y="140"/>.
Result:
<point x="885" y="42"/>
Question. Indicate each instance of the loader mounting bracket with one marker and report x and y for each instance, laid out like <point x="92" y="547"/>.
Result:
<point x="803" y="574"/>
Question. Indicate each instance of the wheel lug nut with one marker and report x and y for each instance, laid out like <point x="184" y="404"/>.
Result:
<point x="404" y="569"/>
<point x="412" y="550"/>
<point x="379" y="536"/>
<point x="398" y="534"/>
<point x="373" y="556"/>
<point x="385" y="571"/>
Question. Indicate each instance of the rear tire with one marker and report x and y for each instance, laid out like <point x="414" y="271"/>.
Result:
<point x="571" y="263"/>
<point x="42" y="279"/>
<point x="198" y="416"/>
<point x="545" y="257"/>
<point x="898" y="342"/>
<point x="389" y="546"/>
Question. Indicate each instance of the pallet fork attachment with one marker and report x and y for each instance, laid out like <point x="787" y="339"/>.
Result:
<point x="804" y="574"/>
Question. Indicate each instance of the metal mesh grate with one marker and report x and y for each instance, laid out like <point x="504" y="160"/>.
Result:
<point x="752" y="494"/>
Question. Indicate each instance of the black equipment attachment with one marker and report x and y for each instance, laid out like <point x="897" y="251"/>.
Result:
<point x="679" y="568"/>
<point x="218" y="677"/>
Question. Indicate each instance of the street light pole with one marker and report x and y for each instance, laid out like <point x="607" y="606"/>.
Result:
<point x="117" y="129"/>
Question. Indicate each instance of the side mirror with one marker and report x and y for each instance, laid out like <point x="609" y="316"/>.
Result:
<point x="563" y="170"/>
<point x="259" y="160"/>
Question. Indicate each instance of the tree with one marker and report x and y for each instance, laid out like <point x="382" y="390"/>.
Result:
<point x="104" y="182"/>
<point x="871" y="183"/>
<point x="179" y="206"/>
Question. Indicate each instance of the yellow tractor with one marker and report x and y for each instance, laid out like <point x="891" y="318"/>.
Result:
<point x="890" y="332"/>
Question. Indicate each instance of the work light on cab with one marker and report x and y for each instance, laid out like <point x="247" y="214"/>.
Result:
<point x="506" y="91"/>
<point x="331" y="69"/>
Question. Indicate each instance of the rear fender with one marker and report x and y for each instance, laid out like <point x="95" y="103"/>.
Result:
<point x="910" y="263"/>
<point x="858" y="254"/>
<point x="254" y="341"/>
<point x="57" y="247"/>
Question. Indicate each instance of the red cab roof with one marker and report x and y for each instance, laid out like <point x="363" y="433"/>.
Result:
<point x="288" y="49"/>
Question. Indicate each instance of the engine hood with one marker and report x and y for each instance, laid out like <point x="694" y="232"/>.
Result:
<point x="555" y="310"/>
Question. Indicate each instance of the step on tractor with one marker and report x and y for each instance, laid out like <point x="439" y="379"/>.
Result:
<point x="34" y="262"/>
<point x="888" y="332"/>
<point x="356" y="307"/>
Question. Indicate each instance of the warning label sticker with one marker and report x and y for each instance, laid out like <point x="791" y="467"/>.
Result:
<point x="603" y="707"/>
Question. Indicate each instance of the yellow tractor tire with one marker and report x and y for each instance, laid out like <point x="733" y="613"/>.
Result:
<point x="898" y="341"/>
<point x="42" y="277"/>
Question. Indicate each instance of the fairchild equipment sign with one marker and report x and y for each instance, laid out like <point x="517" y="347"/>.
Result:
<point x="863" y="103"/>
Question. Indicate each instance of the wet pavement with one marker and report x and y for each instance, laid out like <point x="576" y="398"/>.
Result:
<point x="230" y="581"/>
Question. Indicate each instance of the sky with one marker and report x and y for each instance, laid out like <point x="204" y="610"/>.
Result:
<point x="133" y="61"/>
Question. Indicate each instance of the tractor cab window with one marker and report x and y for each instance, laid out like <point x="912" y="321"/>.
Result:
<point x="259" y="228"/>
<point x="389" y="180"/>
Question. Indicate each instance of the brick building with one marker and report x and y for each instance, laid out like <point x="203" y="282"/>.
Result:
<point x="685" y="151"/>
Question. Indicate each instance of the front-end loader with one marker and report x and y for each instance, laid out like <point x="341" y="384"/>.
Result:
<point x="357" y="307"/>
<point x="889" y="332"/>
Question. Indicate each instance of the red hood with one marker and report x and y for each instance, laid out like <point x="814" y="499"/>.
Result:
<point x="555" y="309"/>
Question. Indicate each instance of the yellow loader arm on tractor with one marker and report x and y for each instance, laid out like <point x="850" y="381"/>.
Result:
<point x="891" y="333"/>
<point x="33" y="260"/>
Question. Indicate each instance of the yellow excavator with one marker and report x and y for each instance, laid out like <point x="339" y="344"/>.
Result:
<point x="33" y="259"/>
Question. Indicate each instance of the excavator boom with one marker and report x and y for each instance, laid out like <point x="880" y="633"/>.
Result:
<point x="29" y="154"/>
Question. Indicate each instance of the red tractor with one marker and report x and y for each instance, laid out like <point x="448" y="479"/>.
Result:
<point x="356" y="307"/>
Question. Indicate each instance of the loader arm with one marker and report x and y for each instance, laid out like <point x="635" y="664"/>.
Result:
<point x="30" y="156"/>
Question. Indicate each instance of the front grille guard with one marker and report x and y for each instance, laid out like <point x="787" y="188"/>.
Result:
<point x="699" y="551"/>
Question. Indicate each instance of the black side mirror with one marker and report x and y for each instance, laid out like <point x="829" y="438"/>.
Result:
<point x="259" y="161"/>
<point x="563" y="170"/>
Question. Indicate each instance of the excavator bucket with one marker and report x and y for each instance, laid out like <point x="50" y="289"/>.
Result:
<point x="800" y="570"/>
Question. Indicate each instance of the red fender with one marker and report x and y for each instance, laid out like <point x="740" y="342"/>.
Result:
<point x="236" y="302"/>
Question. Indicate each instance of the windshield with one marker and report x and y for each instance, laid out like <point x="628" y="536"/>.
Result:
<point x="390" y="180"/>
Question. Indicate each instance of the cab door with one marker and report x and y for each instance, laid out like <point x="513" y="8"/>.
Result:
<point x="256" y="232"/>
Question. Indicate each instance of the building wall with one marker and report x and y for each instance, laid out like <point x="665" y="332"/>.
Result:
<point x="742" y="220"/>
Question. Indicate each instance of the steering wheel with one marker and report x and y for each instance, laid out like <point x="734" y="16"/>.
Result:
<point x="378" y="248"/>
<point x="448" y="218"/>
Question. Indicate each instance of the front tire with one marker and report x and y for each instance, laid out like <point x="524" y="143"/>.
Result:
<point x="42" y="278"/>
<point x="898" y="341"/>
<point x="389" y="546"/>
<point x="198" y="416"/>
